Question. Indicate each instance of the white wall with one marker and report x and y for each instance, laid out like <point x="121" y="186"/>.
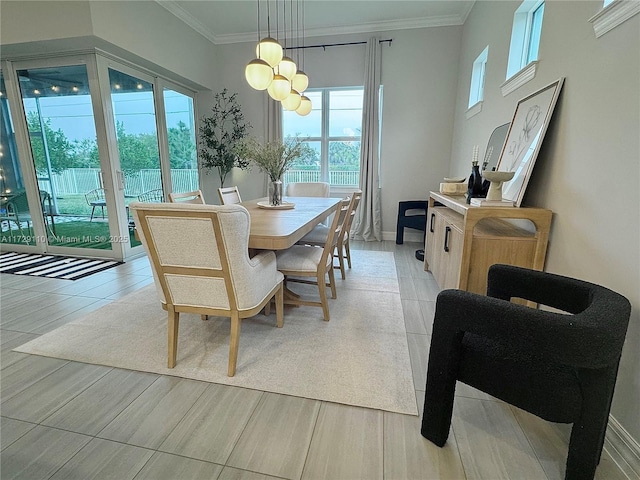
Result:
<point x="42" y="21"/>
<point x="419" y="74"/>
<point x="587" y="171"/>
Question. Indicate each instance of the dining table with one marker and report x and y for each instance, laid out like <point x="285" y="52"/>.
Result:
<point x="275" y="228"/>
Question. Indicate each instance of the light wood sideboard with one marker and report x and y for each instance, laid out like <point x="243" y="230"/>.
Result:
<point x="463" y="241"/>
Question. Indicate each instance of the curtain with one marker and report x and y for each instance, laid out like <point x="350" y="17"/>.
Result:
<point x="367" y="224"/>
<point x="273" y="122"/>
<point x="272" y="127"/>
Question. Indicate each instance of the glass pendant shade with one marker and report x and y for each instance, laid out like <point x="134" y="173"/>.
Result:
<point x="305" y="106"/>
<point x="270" y="51"/>
<point x="300" y="81"/>
<point x="292" y="102"/>
<point x="280" y="88"/>
<point x="287" y="68"/>
<point x="258" y="74"/>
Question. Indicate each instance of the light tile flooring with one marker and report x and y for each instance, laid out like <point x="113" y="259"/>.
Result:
<point x="69" y="420"/>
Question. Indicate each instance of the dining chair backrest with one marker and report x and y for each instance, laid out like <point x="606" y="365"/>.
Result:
<point x="308" y="189"/>
<point x="353" y="206"/>
<point x="199" y="257"/>
<point x="195" y="197"/>
<point x="229" y="195"/>
<point x="335" y="229"/>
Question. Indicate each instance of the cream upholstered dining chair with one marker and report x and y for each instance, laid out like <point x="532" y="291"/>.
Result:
<point x="319" y="234"/>
<point x="314" y="261"/>
<point x="200" y="262"/>
<point x="229" y="195"/>
<point x="195" y="196"/>
<point x="308" y="189"/>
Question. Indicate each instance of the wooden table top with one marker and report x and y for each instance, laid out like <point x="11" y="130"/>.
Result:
<point x="280" y="229"/>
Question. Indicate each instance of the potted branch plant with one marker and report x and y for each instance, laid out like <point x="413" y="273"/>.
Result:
<point x="273" y="158"/>
<point x="221" y="134"/>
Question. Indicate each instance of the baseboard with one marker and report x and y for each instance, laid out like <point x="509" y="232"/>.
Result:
<point x="408" y="236"/>
<point x="623" y="449"/>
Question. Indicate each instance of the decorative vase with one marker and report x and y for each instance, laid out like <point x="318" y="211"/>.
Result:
<point x="275" y="193"/>
<point x="474" y="187"/>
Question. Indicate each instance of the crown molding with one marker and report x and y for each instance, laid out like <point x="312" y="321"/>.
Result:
<point x="613" y="15"/>
<point x="406" y="24"/>
<point x="173" y="7"/>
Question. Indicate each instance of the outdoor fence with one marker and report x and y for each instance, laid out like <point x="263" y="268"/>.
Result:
<point x="78" y="181"/>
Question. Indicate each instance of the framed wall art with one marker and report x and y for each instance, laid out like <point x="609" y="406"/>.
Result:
<point x="528" y="126"/>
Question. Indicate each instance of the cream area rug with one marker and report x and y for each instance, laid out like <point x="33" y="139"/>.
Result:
<point x="360" y="357"/>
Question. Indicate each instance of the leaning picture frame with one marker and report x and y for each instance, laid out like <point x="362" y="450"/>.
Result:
<point x="528" y="127"/>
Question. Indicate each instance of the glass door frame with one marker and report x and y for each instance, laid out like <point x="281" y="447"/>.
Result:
<point x="104" y="63"/>
<point x="97" y="64"/>
<point x="27" y="168"/>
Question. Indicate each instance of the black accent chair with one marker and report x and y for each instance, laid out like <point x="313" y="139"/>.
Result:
<point x="559" y="366"/>
<point x="414" y="220"/>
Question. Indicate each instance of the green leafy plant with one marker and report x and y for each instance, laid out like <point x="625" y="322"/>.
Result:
<point x="221" y="134"/>
<point x="275" y="157"/>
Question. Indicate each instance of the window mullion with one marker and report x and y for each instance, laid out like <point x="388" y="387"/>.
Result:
<point x="324" y="161"/>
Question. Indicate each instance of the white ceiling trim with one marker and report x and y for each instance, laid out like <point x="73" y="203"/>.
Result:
<point x="187" y="18"/>
<point x="423" y="22"/>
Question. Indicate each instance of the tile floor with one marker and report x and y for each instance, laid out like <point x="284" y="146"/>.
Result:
<point x="69" y="420"/>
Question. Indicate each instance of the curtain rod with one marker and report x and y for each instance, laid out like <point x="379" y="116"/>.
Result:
<point x="324" y="46"/>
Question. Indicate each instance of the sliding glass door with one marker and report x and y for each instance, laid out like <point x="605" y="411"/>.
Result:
<point x="90" y="136"/>
<point x="64" y="152"/>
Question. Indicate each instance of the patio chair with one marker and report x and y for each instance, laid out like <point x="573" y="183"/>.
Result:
<point x="95" y="198"/>
<point x="152" y="196"/>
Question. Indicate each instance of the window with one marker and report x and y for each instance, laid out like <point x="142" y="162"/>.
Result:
<point x="525" y="35"/>
<point x="333" y="132"/>
<point x="476" y="93"/>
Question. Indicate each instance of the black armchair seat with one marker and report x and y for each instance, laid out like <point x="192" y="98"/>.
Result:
<point x="559" y="364"/>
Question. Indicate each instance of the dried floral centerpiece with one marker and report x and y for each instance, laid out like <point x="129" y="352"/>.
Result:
<point x="274" y="158"/>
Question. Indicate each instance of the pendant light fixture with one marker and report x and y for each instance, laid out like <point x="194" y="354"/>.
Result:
<point x="258" y="72"/>
<point x="287" y="67"/>
<point x="300" y="81"/>
<point x="276" y="72"/>
<point x="268" y="49"/>
<point x="280" y="88"/>
<point x="305" y="106"/>
<point x="292" y="102"/>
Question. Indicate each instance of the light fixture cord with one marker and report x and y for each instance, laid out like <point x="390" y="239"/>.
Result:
<point x="284" y="23"/>
<point x="268" y="19"/>
<point x="258" y="2"/>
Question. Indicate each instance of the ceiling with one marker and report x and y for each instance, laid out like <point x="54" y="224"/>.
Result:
<point x="232" y="21"/>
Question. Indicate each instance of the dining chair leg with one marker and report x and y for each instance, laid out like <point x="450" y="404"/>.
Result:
<point x="234" y="343"/>
<point x="204" y="317"/>
<point x="340" y="260"/>
<point x="332" y="283"/>
<point x="323" y="296"/>
<point x="267" y="308"/>
<point x="174" y="321"/>
<point x="280" y="306"/>
<point x="347" y="252"/>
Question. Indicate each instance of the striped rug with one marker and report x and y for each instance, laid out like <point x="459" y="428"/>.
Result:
<point x="52" y="266"/>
